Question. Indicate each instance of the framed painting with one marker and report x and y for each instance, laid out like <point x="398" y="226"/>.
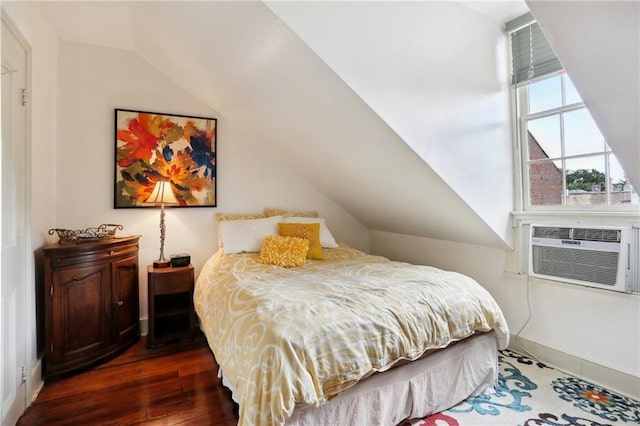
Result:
<point x="160" y="150"/>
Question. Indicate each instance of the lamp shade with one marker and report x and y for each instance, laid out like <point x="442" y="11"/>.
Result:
<point x="162" y="194"/>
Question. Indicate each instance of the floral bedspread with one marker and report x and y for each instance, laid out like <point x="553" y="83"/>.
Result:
<point x="303" y="335"/>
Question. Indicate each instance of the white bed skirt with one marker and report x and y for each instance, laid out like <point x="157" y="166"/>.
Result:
<point x="414" y="390"/>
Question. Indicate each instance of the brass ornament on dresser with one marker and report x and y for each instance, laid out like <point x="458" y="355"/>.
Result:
<point x="100" y="232"/>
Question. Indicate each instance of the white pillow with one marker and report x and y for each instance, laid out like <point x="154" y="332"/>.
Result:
<point x="246" y="235"/>
<point x="326" y="239"/>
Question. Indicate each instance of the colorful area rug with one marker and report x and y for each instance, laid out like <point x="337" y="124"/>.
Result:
<point x="531" y="393"/>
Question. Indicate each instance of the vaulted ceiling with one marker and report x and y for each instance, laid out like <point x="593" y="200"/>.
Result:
<point x="403" y="144"/>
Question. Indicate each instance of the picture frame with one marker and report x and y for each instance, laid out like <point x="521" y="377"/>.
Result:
<point x="152" y="147"/>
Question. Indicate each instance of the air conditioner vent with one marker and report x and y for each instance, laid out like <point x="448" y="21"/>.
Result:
<point x="583" y="265"/>
<point x="594" y="234"/>
<point x="552" y="232"/>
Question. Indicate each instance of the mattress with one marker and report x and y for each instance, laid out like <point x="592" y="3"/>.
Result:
<point x="302" y="336"/>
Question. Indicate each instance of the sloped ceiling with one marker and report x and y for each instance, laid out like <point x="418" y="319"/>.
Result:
<point x="598" y="43"/>
<point x="242" y="60"/>
<point x="436" y="72"/>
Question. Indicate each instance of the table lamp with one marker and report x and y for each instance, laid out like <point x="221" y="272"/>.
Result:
<point x="162" y="195"/>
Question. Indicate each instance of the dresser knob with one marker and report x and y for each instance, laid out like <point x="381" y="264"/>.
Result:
<point x="120" y="303"/>
<point x="111" y="253"/>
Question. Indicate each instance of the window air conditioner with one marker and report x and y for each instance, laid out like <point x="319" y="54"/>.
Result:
<point x="590" y="256"/>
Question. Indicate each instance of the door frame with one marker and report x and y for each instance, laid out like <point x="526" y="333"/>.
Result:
<point x="32" y="372"/>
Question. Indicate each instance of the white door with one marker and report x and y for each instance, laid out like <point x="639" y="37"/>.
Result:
<point x="13" y="285"/>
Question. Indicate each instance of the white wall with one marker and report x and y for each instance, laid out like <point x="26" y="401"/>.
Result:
<point x="599" y="326"/>
<point x="93" y="81"/>
<point x="437" y="74"/>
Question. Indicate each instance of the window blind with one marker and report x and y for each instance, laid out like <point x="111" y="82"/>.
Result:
<point x="530" y="50"/>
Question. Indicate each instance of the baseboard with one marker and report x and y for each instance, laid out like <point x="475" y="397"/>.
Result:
<point x="36" y="380"/>
<point x="144" y="326"/>
<point x="614" y="380"/>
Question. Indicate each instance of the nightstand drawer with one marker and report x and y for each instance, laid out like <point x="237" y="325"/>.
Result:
<point x="174" y="282"/>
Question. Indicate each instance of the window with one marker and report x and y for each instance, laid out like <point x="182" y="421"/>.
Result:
<point x="566" y="160"/>
<point x="566" y="163"/>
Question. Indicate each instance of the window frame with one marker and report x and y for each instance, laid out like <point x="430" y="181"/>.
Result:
<point x="522" y="162"/>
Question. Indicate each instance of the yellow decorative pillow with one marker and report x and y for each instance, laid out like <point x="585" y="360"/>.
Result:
<point x="269" y="212"/>
<point x="308" y="231"/>
<point x="284" y="251"/>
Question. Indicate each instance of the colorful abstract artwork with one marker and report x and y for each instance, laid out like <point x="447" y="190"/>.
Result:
<point x="155" y="147"/>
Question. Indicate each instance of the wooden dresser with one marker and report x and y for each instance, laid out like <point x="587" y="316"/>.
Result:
<point x="90" y="302"/>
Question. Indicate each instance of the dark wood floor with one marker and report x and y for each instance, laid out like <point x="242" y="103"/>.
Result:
<point x="174" y="385"/>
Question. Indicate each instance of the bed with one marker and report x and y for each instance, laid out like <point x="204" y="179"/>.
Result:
<point x="348" y="339"/>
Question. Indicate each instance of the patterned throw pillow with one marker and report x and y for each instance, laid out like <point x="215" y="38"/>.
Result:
<point x="326" y="238"/>
<point x="283" y="251"/>
<point x="308" y="231"/>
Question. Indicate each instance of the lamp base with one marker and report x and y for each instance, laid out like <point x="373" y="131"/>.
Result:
<point x="161" y="263"/>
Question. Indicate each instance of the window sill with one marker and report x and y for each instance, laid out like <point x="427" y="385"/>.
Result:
<point x="630" y="216"/>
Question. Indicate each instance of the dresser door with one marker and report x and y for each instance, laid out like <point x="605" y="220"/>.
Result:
<point x="81" y="310"/>
<point x="125" y="300"/>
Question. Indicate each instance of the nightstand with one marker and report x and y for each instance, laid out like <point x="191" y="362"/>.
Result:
<point x="171" y="313"/>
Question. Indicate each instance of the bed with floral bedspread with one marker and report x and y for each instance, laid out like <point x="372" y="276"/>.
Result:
<point x="287" y="336"/>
